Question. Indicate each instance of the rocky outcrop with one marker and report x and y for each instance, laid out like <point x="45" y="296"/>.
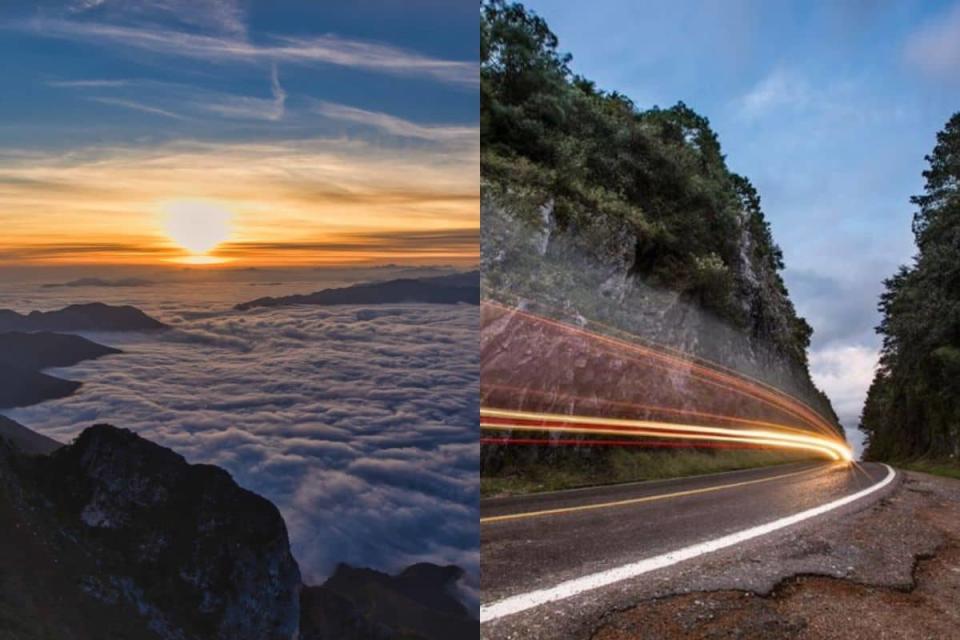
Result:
<point x="182" y="545"/>
<point x="459" y="288"/>
<point x="94" y="316"/>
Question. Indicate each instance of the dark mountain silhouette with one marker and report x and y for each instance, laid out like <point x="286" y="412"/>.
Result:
<point x="100" y="282"/>
<point x="24" y="440"/>
<point x="94" y="316"/>
<point x="449" y="289"/>
<point x="23" y="355"/>
<point x="21" y="387"/>
<point x="42" y="350"/>
<point x="361" y="603"/>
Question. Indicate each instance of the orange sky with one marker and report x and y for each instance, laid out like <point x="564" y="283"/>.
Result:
<point x="323" y="201"/>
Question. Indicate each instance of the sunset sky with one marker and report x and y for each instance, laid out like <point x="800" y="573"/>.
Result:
<point x="277" y="133"/>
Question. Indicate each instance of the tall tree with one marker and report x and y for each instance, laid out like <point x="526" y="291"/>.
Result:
<point x="913" y="405"/>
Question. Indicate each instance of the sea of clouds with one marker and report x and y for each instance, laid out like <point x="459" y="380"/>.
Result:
<point x="358" y="422"/>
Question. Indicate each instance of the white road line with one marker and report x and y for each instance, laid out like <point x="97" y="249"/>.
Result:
<point x="570" y="588"/>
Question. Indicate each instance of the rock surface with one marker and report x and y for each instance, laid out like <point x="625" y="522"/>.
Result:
<point x="195" y="555"/>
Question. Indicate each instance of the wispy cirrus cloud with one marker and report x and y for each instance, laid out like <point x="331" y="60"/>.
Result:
<point x="225" y="16"/>
<point x="325" y="49"/>
<point x="87" y="84"/>
<point x="137" y="106"/>
<point x="272" y="109"/>
<point x="392" y="124"/>
<point x="176" y="100"/>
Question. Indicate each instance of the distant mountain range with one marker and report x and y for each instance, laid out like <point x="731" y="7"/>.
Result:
<point x="457" y="288"/>
<point x="23" y="355"/>
<point x="101" y="282"/>
<point x="94" y="316"/>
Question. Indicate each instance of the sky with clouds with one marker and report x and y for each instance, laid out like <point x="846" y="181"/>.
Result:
<point x="828" y="108"/>
<point x="324" y="128"/>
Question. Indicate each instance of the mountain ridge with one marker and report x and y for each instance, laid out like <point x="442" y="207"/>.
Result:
<point x="458" y="288"/>
<point x="93" y="316"/>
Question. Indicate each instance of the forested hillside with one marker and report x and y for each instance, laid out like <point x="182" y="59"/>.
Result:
<point x="913" y="406"/>
<point x="644" y="195"/>
<point x="627" y="221"/>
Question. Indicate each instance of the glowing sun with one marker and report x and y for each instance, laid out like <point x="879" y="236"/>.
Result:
<point x="199" y="226"/>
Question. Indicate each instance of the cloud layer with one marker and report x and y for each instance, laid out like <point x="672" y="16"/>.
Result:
<point x="359" y="423"/>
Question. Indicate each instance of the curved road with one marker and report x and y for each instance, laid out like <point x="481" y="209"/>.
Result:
<point x="538" y="542"/>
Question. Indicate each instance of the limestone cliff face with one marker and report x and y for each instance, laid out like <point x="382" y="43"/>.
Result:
<point x="183" y="545"/>
<point x="594" y="273"/>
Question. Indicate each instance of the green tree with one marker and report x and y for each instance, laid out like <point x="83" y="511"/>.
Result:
<point x="913" y="405"/>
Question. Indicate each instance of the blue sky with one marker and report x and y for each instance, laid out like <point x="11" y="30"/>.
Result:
<point x="317" y="124"/>
<point x="63" y="62"/>
<point x="827" y="107"/>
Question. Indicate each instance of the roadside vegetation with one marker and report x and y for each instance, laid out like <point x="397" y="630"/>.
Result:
<point x="945" y="468"/>
<point x="516" y="477"/>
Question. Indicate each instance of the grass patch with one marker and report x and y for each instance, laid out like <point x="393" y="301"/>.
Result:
<point x="623" y="465"/>
<point x="945" y="468"/>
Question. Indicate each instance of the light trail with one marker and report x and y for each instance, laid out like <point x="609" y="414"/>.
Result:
<point x="736" y="383"/>
<point x="646" y="407"/>
<point x="633" y="338"/>
<point x="508" y="420"/>
<point x="555" y="442"/>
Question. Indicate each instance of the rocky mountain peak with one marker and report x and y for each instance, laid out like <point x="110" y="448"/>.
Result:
<point x="196" y="554"/>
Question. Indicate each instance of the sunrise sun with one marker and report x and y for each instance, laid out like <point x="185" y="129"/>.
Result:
<point x="199" y="226"/>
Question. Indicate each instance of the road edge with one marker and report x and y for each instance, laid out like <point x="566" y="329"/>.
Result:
<point x="570" y="588"/>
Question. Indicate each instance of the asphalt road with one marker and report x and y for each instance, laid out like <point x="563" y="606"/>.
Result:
<point x="539" y="541"/>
